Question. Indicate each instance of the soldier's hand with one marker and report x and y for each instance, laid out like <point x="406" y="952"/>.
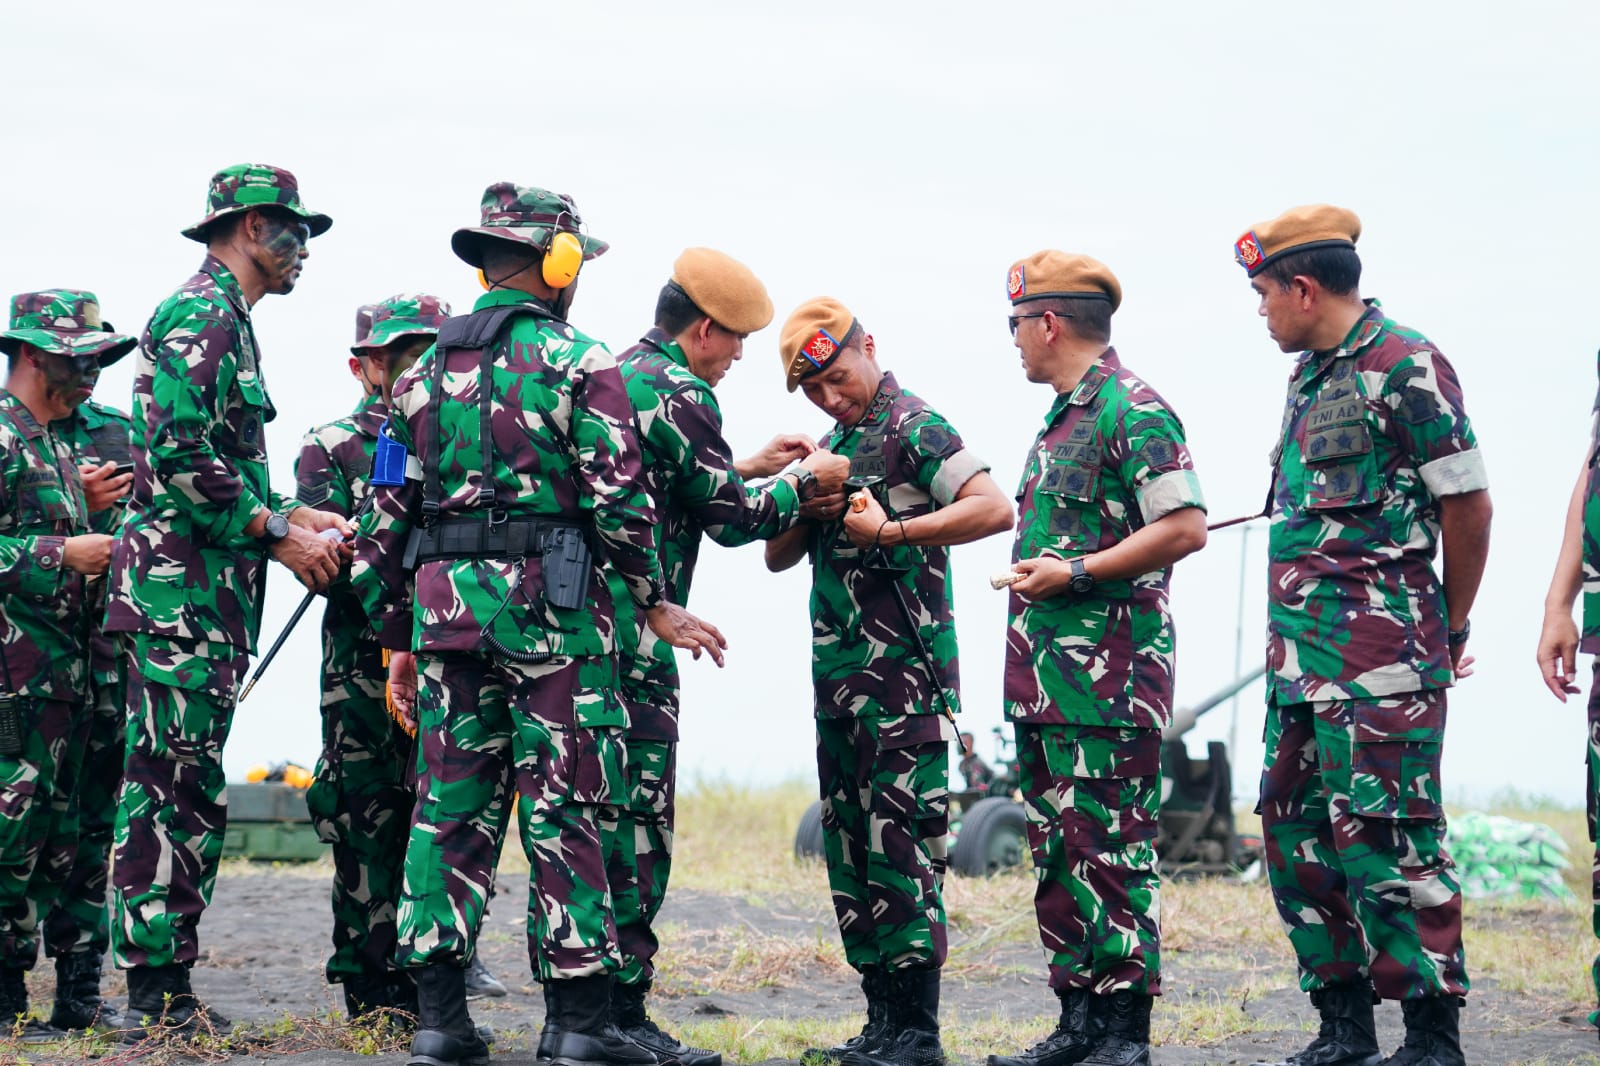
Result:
<point x="315" y="521"/>
<point x="779" y="452"/>
<point x="403" y="687"/>
<point x="102" y="485"/>
<point x="88" y="554"/>
<point x="315" y="560"/>
<point x="864" y="526"/>
<point x="831" y="470"/>
<point x="1558" y="654"/>
<point x="681" y="629"/>
<point x="1041" y="578"/>
<point x="823" y="508"/>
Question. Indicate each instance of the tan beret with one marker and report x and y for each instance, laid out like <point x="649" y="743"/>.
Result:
<point x="1296" y="230"/>
<point x="723" y="288"/>
<point x="813" y="336"/>
<point x="1052" y="273"/>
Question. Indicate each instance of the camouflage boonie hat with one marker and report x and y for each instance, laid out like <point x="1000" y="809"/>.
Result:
<point x="524" y="214"/>
<point x="406" y="314"/>
<point x="364" y="321"/>
<point x="64" y="322"/>
<point x="247" y="186"/>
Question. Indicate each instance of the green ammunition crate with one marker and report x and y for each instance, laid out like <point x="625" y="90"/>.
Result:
<point x="268" y="820"/>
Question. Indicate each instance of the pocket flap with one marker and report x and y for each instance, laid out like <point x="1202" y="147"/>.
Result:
<point x="1120" y="753"/>
<point x="910" y="730"/>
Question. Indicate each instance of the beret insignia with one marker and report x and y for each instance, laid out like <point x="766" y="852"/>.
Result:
<point x="1014" y="282"/>
<point x="1247" y="250"/>
<point x="820" y="348"/>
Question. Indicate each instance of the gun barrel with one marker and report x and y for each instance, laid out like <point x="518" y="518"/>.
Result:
<point x="1184" y="718"/>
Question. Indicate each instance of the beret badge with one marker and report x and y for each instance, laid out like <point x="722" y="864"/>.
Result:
<point x="1015" y="282"/>
<point x="1247" y="250"/>
<point x="820" y="348"/>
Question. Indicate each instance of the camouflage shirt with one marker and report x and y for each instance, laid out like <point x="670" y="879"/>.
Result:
<point x="98" y="434"/>
<point x="183" y="565"/>
<point x="564" y="446"/>
<point x="332" y="473"/>
<point x="1110" y="460"/>
<point x="863" y="661"/>
<point x="690" y="477"/>
<point x="1374" y="433"/>
<point x="44" y="643"/>
<point x="1590" y="641"/>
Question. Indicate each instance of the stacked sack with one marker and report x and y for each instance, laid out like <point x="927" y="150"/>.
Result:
<point x="1502" y="858"/>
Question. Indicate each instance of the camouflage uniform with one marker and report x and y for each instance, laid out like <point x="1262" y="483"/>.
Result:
<point x="96" y="434"/>
<point x="1589" y="641"/>
<point x="882" y="743"/>
<point x="1089" y="680"/>
<point x="44" y="661"/>
<point x="690" y="477"/>
<point x="563" y="447"/>
<point x="1374" y="433"/>
<point x="186" y="593"/>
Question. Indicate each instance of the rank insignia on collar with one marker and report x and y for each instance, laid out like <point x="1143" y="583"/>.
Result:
<point x="1014" y="283"/>
<point x="1247" y="250"/>
<point x="820" y="348"/>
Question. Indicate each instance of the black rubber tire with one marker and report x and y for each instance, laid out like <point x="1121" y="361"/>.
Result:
<point x="808" y="838"/>
<point x="993" y="837"/>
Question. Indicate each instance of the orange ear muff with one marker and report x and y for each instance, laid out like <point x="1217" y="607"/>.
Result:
<point x="563" y="256"/>
<point x="483" y="279"/>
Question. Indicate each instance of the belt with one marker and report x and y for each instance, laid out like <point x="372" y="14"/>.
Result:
<point x="477" y="538"/>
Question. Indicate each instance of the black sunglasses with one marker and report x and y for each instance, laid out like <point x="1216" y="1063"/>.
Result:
<point x="1014" y="319"/>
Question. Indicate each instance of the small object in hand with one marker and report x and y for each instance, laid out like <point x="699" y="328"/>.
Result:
<point x="1005" y="580"/>
<point x="858" y="502"/>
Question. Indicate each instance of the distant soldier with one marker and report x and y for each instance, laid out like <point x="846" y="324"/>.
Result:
<point x="362" y="799"/>
<point x="703" y="315"/>
<point x="188" y="574"/>
<point x="55" y="347"/>
<point x="1375" y="469"/>
<point x="1109" y="502"/>
<point x="974" y="771"/>
<point x="884" y="668"/>
<point x="1578" y="569"/>
<point x="489" y="566"/>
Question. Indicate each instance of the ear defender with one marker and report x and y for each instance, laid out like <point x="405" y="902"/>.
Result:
<point x="483" y="279"/>
<point x="563" y="255"/>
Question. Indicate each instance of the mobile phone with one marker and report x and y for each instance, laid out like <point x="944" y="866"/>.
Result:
<point x="122" y="468"/>
<point x="10" y="724"/>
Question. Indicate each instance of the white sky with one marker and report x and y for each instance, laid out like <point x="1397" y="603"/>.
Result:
<point x="898" y="157"/>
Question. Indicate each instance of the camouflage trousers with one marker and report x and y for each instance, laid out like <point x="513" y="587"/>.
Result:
<point x="38" y="835"/>
<point x="173" y="811"/>
<point x="361" y="805"/>
<point x="553" y="735"/>
<point x="885" y="814"/>
<point x="1354" y="828"/>
<point x="638" y="849"/>
<point x="1593" y="761"/>
<point x="1091" y="794"/>
<point x="78" y="921"/>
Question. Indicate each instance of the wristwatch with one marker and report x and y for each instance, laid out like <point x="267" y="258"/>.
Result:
<point x="805" y="484"/>
<point x="1458" y="637"/>
<point x="276" y="529"/>
<point x="1082" y="582"/>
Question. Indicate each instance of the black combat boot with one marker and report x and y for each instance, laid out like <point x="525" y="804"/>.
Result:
<point x="628" y="1014"/>
<point x="445" y="1034"/>
<point x="480" y="982"/>
<point x="14" y="1011"/>
<point x="587" y="1036"/>
<point x="1433" y="1033"/>
<point x="1348" y="1036"/>
<point x="78" y="1002"/>
<point x="1126" y="1037"/>
<point x="1075" y="1035"/>
<point x="367" y="993"/>
<point x="552" y="1021"/>
<point x="875" y="986"/>
<point x="911" y="1036"/>
<point x="161" y="1003"/>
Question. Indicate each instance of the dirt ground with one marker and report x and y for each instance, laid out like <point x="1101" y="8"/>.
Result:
<point x="264" y="941"/>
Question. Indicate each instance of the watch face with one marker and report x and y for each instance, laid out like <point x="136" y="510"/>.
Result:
<point x="277" y="527"/>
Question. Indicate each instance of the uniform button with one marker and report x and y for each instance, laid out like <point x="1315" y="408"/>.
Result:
<point x="37" y="598"/>
<point x="48" y="562"/>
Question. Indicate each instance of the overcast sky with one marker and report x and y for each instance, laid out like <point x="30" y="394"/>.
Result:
<point x="898" y="157"/>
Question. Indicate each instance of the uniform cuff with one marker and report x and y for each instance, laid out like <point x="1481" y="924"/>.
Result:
<point x="1172" y="491"/>
<point x="953" y="475"/>
<point x="1455" y="474"/>
<point x="50" y="553"/>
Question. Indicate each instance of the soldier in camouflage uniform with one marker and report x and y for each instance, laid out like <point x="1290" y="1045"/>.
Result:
<point x="1376" y="467"/>
<point x="1109" y="501"/>
<point x="362" y="798"/>
<point x="188" y="571"/>
<point x="703" y="314"/>
<point x="884" y="668"/>
<point x="76" y="932"/>
<point x="487" y="566"/>
<point x="55" y="347"/>
<point x="1560" y="641"/>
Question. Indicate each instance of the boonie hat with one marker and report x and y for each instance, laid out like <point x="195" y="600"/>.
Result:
<point x="813" y="336"/>
<point x="364" y="321"/>
<point x="1052" y="273"/>
<point x="406" y="314"/>
<point x="247" y="186"/>
<point x="524" y="214"/>
<point x="724" y="289"/>
<point x="64" y="322"/>
<point x="1296" y="230"/>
